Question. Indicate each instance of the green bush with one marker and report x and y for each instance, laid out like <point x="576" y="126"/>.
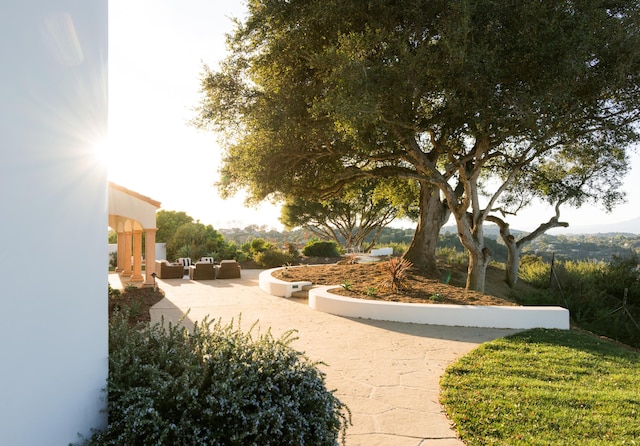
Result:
<point x="592" y="291"/>
<point x="318" y="248"/>
<point x="258" y="245"/>
<point x="534" y="270"/>
<point x="215" y="386"/>
<point x="272" y="258"/>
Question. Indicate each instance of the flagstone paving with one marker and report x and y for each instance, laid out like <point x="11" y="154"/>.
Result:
<point x="387" y="373"/>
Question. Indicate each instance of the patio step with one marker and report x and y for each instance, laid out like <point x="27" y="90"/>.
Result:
<point x="303" y="293"/>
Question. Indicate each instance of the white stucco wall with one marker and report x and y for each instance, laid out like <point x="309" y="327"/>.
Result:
<point x="53" y="332"/>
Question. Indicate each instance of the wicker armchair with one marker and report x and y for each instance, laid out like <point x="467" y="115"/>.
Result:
<point x="202" y="271"/>
<point x="229" y="269"/>
<point x="165" y="270"/>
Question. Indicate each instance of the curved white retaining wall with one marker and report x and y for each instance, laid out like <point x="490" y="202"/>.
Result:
<point x="514" y="317"/>
<point x="440" y="314"/>
<point x="277" y="287"/>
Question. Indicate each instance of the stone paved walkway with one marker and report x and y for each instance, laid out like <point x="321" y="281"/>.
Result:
<point x="386" y="372"/>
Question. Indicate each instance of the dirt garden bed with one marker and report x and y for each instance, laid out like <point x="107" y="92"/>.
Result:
<point x="365" y="280"/>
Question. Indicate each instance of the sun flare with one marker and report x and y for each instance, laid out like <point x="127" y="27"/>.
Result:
<point x="102" y="151"/>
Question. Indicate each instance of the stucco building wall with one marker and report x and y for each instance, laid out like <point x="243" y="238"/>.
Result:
<point x="53" y="205"/>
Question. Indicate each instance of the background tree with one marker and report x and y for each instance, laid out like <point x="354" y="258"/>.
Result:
<point x="196" y="240"/>
<point x="353" y="218"/>
<point x="168" y="223"/>
<point x="315" y="95"/>
<point x="580" y="174"/>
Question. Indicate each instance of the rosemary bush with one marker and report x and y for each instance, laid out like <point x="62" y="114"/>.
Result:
<point x="214" y="386"/>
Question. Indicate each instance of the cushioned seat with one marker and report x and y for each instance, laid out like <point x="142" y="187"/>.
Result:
<point x="202" y="271"/>
<point x="229" y="269"/>
<point x="186" y="263"/>
<point x="165" y="270"/>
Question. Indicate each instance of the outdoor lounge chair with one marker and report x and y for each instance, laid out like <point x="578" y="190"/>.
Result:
<point x="202" y="271"/>
<point x="165" y="270"/>
<point x="229" y="269"/>
<point x="186" y="263"/>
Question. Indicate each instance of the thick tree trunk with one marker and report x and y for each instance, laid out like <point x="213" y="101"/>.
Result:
<point x="478" y="261"/>
<point x="433" y="215"/>
<point x="513" y="251"/>
<point x="513" y="261"/>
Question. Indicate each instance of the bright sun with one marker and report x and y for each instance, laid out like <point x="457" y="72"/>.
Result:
<point x="102" y="151"/>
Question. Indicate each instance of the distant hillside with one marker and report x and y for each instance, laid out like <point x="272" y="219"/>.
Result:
<point x="628" y="227"/>
<point x="624" y="227"/>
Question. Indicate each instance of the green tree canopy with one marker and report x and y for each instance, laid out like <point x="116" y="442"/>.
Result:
<point x="195" y="240"/>
<point x="316" y="94"/>
<point x="168" y="223"/>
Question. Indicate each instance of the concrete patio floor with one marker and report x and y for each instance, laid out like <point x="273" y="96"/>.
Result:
<point x="387" y="373"/>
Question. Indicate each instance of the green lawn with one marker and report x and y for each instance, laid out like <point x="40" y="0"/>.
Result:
<point x="545" y="387"/>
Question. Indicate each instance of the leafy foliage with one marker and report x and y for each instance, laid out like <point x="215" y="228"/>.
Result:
<point x="594" y="293"/>
<point x="196" y="240"/>
<point x="168" y="223"/>
<point x="319" y="248"/>
<point x="272" y="258"/>
<point x="445" y="93"/>
<point x="217" y="385"/>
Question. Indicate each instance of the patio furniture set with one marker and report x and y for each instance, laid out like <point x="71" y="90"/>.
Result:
<point x="204" y="269"/>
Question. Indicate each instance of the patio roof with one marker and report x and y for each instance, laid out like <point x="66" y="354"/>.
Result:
<point x="131" y="214"/>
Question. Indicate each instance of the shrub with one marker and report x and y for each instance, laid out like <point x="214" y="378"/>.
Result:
<point x="317" y="248"/>
<point x="217" y="385"/>
<point x="272" y="258"/>
<point x="113" y="260"/>
<point x="451" y="255"/>
<point x="534" y="270"/>
<point x="594" y="293"/>
<point x="398" y="248"/>
<point x="395" y="272"/>
<point x="258" y="245"/>
<point x="114" y="292"/>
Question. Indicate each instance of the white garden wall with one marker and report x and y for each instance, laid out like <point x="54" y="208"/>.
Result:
<point x="53" y="204"/>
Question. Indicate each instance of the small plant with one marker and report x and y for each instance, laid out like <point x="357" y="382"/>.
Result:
<point x="371" y="291"/>
<point x="113" y="260"/>
<point x="436" y="297"/>
<point x="114" y="292"/>
<point x="285" y="269"/>
<point x="346" y="285"/>
<point x="395" y="271"/>
<point x="350" y="259"/>
<point x="130" y="287"/>
<point x="135" y="309"/>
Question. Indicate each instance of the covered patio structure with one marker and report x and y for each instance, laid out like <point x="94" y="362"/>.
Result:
<point x="131" y="215"/>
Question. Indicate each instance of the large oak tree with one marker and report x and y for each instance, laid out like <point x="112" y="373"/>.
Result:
<point x="316" y="94"/>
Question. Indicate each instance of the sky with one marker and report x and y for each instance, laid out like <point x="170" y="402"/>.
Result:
<point x="157" y="49"/>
